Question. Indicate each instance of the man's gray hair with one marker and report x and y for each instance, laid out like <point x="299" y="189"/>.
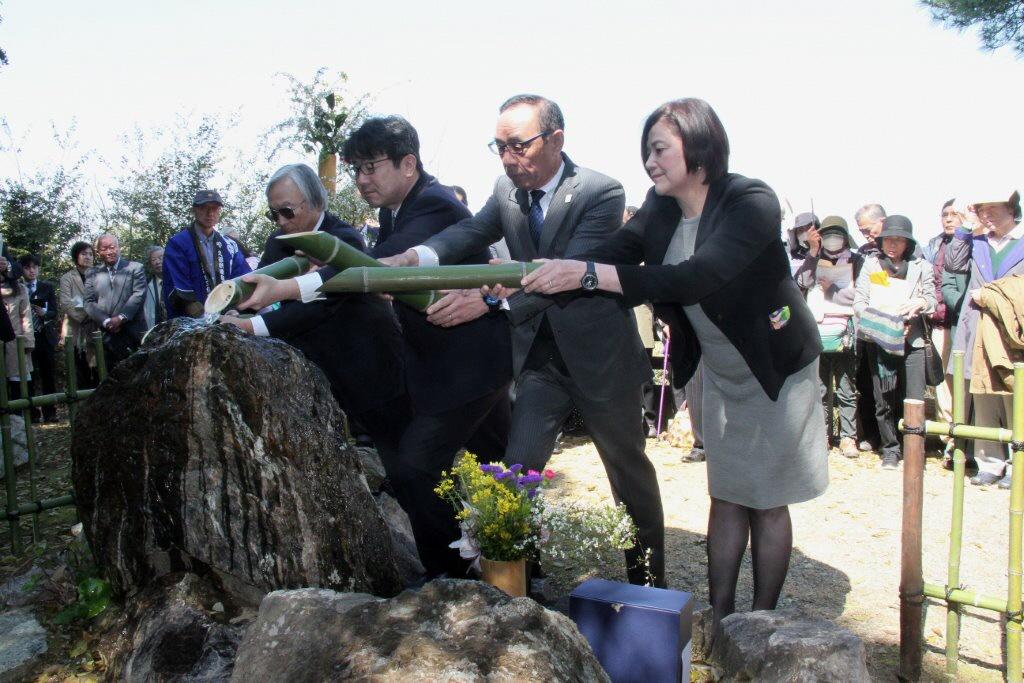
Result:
<point x="871" y="212"/>
<point x="152" y="249"/>
<point x="306" y="179"/>
<point x="111" y="235"/>
<point x="551" y="118"/>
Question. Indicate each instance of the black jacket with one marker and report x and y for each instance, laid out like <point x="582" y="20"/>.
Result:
<point x="45" y="326"/>
<point x="353" y="338"/>
<point x="739" y="274"/>
<point x="445" y="367"/>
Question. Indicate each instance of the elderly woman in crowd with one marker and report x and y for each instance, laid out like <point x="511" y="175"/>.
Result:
<point x="895" y="283"/>
<point x="77" y="323"/>
<point x="993" y="250"/>
<point x="718" y="274"/>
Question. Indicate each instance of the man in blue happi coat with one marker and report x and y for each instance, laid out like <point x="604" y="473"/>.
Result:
<point x="199" y="258"/>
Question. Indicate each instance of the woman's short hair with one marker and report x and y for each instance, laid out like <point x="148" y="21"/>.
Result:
<point x="705" y="144"/>
<point x="77" y="248"/>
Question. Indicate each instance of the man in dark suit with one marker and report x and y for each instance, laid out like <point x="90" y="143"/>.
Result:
<point x="457" y="379"/>
<point x="353" y="338"/>
<point x="114" y="292"/>
<point x="582" y="351"/>
<point x="43" y="299"/>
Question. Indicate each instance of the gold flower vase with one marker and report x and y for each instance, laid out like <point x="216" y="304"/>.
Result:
<point x="506" y="576"/>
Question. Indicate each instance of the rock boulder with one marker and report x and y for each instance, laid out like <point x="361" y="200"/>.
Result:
<point x="448" y="630"/>
<point x="213" y="451"/>
<point x="784" y="645"/>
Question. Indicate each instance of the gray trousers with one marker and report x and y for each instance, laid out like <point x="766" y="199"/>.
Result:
<point x="544" y="397"/>
<point x="840" y="370"/>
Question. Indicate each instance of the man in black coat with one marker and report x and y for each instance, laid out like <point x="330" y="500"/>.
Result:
<point x="353" y="338"/>
<point x="43" y="299"/>
<point x="458" y="379"/>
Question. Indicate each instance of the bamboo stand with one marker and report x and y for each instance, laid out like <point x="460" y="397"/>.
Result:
<point x="912" y="587"/>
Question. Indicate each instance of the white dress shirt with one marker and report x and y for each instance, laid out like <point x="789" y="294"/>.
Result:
<point x="307" y="291"/>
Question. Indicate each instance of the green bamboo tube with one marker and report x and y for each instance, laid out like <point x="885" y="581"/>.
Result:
<point x="956" y="529"/>
<point x="37" y="506"/>
<point x="30" y="437"/>
<point x="327" y="248"/>
<point x="965" y="597"/>
<point x="971" y="432"/>
<point x="101" y="360"/>
<point x="417" y="278"/>
<point x="44" y="400"/>
<point x="231" y="292"/>
<point x="8" y="451"/>
<point x="71" y="381"/>
<point x="1013" y="594"/>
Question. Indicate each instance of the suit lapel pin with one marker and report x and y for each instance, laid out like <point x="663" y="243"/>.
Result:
<point x="568" y="198"/>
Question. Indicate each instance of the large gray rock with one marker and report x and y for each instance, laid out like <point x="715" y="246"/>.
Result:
<point x="178" y="629"/>
<point x="406" y="556"/>
<point x="448" y="630"/>
<point x="213" y="450"/>
<point x="22" y="639"/>
<point x="783" y="645"/>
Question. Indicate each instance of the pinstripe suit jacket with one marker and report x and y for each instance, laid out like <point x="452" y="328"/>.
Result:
<point x="595" y="332"/>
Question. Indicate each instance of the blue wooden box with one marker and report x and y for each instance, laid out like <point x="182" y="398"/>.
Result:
<point x="638" y="633"/>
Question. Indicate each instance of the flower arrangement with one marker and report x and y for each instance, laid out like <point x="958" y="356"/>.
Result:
<point x="498" y="508"/>
<point x="582" y="540"/>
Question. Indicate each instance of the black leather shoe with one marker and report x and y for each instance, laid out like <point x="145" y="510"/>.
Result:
<point x="985" y="479"/>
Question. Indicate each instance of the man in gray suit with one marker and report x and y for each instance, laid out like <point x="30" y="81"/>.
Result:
<point x="581" y="351"/>
<point x="114" y="292"/>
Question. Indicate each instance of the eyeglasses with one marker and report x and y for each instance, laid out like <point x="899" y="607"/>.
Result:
<point x="286" y="211"/>
<point x="365" y="167"/>
<point x="517" y="148"/>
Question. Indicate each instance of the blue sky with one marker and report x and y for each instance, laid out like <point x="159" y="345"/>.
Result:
<point x="841" y="102"/>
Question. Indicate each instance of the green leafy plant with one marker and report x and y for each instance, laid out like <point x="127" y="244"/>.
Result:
<point x="93" y="597"/>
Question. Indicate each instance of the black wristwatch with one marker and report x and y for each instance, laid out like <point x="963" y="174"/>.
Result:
<point x="589" y="279"/>
<point x="493" y="304"/>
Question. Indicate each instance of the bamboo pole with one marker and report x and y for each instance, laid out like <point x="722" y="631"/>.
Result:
<point x="327" y="248"/>
<point x="8" y="451"/>
<point x="30" y="436"/>
<point x="911" y="579"/>
<point x="956" y="529"/>
<point x="230" y="293"/>
<point x="962" y="596"/>
<point x="44" y="400"/>
<point x="101" y="360"/>
<point x="971" y="432"/>
<point x="71" y="381"/>
<point x="406" y="279"/>
<point x="1013" y="594"/>
<point x="37" y="506"/>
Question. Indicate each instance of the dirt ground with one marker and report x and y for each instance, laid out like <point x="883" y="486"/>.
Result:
<point x="846" y="558"/>
<point x="845" y="565"/>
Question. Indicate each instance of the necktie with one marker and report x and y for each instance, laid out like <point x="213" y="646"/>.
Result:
<point x="536" y="216"/>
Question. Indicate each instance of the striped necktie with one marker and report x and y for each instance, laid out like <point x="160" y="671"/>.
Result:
<point x="536" y="216"/>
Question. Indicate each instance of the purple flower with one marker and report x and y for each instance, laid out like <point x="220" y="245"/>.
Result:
<point x="490" y="469"/>
<point x="500" y="476"/>
<point x="532" y="479"/>
<point x="532" y="493"/>
<point x="515" y="468"/>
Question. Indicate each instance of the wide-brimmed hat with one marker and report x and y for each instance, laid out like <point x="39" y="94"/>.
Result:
<point x="1013" y="202"/>
<point x="833" y="224"/>
<point x="898" y="226"/>
<point x="806" y="218"/>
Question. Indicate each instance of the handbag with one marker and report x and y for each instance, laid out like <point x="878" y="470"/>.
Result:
<point x="934" y="374"/>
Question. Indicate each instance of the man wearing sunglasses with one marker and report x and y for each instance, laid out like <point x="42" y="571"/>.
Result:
<point x="199" y="258"/>
<point x="353" y="338"/>
<point x="581" y="351"/>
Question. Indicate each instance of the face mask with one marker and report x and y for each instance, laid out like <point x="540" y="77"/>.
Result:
<point x="833" y="243"/>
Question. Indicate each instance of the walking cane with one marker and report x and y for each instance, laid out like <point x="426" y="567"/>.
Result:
<point x="664" y="379"/>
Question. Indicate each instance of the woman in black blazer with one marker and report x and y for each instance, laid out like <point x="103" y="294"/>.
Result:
<point x="717" y="272"/>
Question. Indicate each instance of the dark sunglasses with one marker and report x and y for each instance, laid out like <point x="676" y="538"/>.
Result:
<point x="286" y="211"/>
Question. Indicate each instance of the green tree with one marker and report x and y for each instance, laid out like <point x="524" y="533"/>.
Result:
<point x="323" y="116"/>
<point x="1001" y="21"/>
<point x="152" y="200"/>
